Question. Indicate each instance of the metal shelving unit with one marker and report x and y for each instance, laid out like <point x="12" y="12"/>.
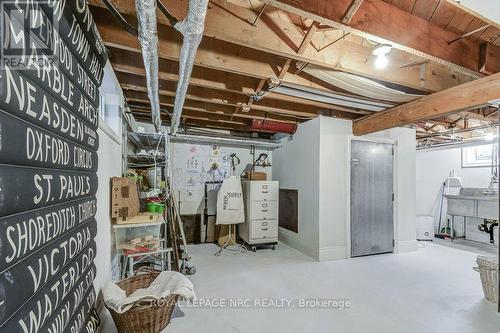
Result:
<point x="138" y="153"/>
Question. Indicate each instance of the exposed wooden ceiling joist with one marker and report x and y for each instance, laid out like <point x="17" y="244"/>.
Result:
<point x="212" y="111"/>
<point x="305" y="112"/>
<point x="210" y="79"/>
<point x="212" y="53"/>
<point x="380" y="21"/>
<point x="196" y="121"/>
<point x="278" y="35"/>
<point x="461" y="98"/>
<point x="473" y="13"/>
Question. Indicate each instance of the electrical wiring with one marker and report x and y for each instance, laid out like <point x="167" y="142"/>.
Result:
<point x="167" y="168"/>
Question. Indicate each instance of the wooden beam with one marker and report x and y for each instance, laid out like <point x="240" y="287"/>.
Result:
<point x="279" y="36"/>
<point x="461" y="98"/>
<point x="212" y="105"/>
<point x="473" y="13"/>
<point x="190" y="114"/>
<point x="380" y="21"/>
<point x="488" y="62"/>
<point x="265" y="106"/>
<point x="212" y="53"/>
<point x="302" y="48"/>
<point x="211" y="79"/>
<point x="353" y="8"/>
<point x="196" y="121"/>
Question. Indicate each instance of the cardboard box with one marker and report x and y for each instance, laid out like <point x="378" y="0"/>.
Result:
<point x="256" y="175"/>
<point x="124" y="198"/>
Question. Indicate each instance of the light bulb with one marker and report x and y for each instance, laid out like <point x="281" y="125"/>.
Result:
<point x="382" y="49"/>
<point x="490" y="137"/>
<point x="381" y="61"/>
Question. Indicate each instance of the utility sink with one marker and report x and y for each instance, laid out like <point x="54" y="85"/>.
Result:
<point x="473" y="202"/>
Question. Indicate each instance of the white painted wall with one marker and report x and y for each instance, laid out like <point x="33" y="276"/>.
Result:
<point x="246" y="160"/>
<point x="110" y="152"/>
<point x="110" y="165"/>
<point x="317" y="163"/>
<point x="334" y="165"/>
<point x="433" y="166"/>
<point x="296" y="166"/>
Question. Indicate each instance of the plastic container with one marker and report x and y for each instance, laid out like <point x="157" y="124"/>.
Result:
<point x="155" y="207"/>
<point x="488" y="271"/>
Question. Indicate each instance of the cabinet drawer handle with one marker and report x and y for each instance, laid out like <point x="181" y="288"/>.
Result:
<point x="265" y="210"/>
<point x="264" y="224"/>
<point x="264" y="229"/>
<point x="265" y="192"/>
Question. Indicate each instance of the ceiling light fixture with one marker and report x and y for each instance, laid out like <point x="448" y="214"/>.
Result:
<point x="382" y="49"/>
<point x="490" y="137"/>
<point x="381" y="61"/>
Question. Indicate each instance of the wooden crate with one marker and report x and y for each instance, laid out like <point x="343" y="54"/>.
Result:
<point x="140" y="218"/>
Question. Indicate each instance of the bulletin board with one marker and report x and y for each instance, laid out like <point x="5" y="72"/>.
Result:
<point x="195" y="164"/>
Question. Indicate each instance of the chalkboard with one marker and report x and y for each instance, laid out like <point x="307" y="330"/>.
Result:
<point x="81" y="11"/>
<point x="50" y="72"/>
<point x="26" y="232"/>
<point x="54" y="291"/>
<point x="61" y="320"/>
<point x="39" y="33"/>
<point x="25" y="99"/>
<point x="24" y="144"/>
<point x="85" y="319"/>
<point x="90" y="326"/>
<point x="36" y="188"/>
<point x="39" y="315"/>
<point x="39" y="68"/>
<point x="76" y="36"/>
<point x="36" y="270"/>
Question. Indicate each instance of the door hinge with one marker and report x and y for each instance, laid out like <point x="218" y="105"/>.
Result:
<point x="393" y="243"/>
<point x="393" y="197"/>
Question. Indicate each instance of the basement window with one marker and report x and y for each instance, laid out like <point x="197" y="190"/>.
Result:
<point x="477" y="156"/>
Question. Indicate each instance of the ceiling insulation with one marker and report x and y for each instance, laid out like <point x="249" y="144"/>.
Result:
<point x="359" y="85"/>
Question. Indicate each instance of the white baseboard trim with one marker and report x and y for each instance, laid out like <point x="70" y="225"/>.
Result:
<point x="332" y="253"/>
<point x="291" y="239"/>
<point x="407" y="246"/>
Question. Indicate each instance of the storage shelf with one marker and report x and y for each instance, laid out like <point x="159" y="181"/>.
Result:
<point x="144" y="140"/>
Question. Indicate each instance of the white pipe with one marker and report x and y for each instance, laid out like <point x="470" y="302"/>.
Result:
<point x="192" y="29"/>
<point x="463" y="143"/>
<point x="225" y="141"/>
<point x="148" y="36"/>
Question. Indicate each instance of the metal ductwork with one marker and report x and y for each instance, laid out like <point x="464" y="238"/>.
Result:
<point x="238" y="142"/>
<point x="148" y="36"/>
<point x="192" y="29"/>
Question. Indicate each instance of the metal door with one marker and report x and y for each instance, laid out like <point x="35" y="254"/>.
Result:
<point x="372" y="226"/>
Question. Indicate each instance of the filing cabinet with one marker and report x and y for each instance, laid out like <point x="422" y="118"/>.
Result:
<point x="261" y="213"/>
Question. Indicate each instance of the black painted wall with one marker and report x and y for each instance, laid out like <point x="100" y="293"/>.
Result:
<point x="51" y="68"/>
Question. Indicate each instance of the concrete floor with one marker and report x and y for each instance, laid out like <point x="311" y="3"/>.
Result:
<point x="431" y="290"/>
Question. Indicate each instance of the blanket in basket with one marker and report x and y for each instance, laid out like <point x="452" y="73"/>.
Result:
<point x="166" y="284"/>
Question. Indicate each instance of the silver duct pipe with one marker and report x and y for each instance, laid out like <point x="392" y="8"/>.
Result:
<point x="148" y="36"/>
<point x="192" y="30"/>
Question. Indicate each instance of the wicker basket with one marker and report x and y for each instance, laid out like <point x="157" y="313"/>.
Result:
<point x="488" y="270"/>
<point x="143" y="317"/>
